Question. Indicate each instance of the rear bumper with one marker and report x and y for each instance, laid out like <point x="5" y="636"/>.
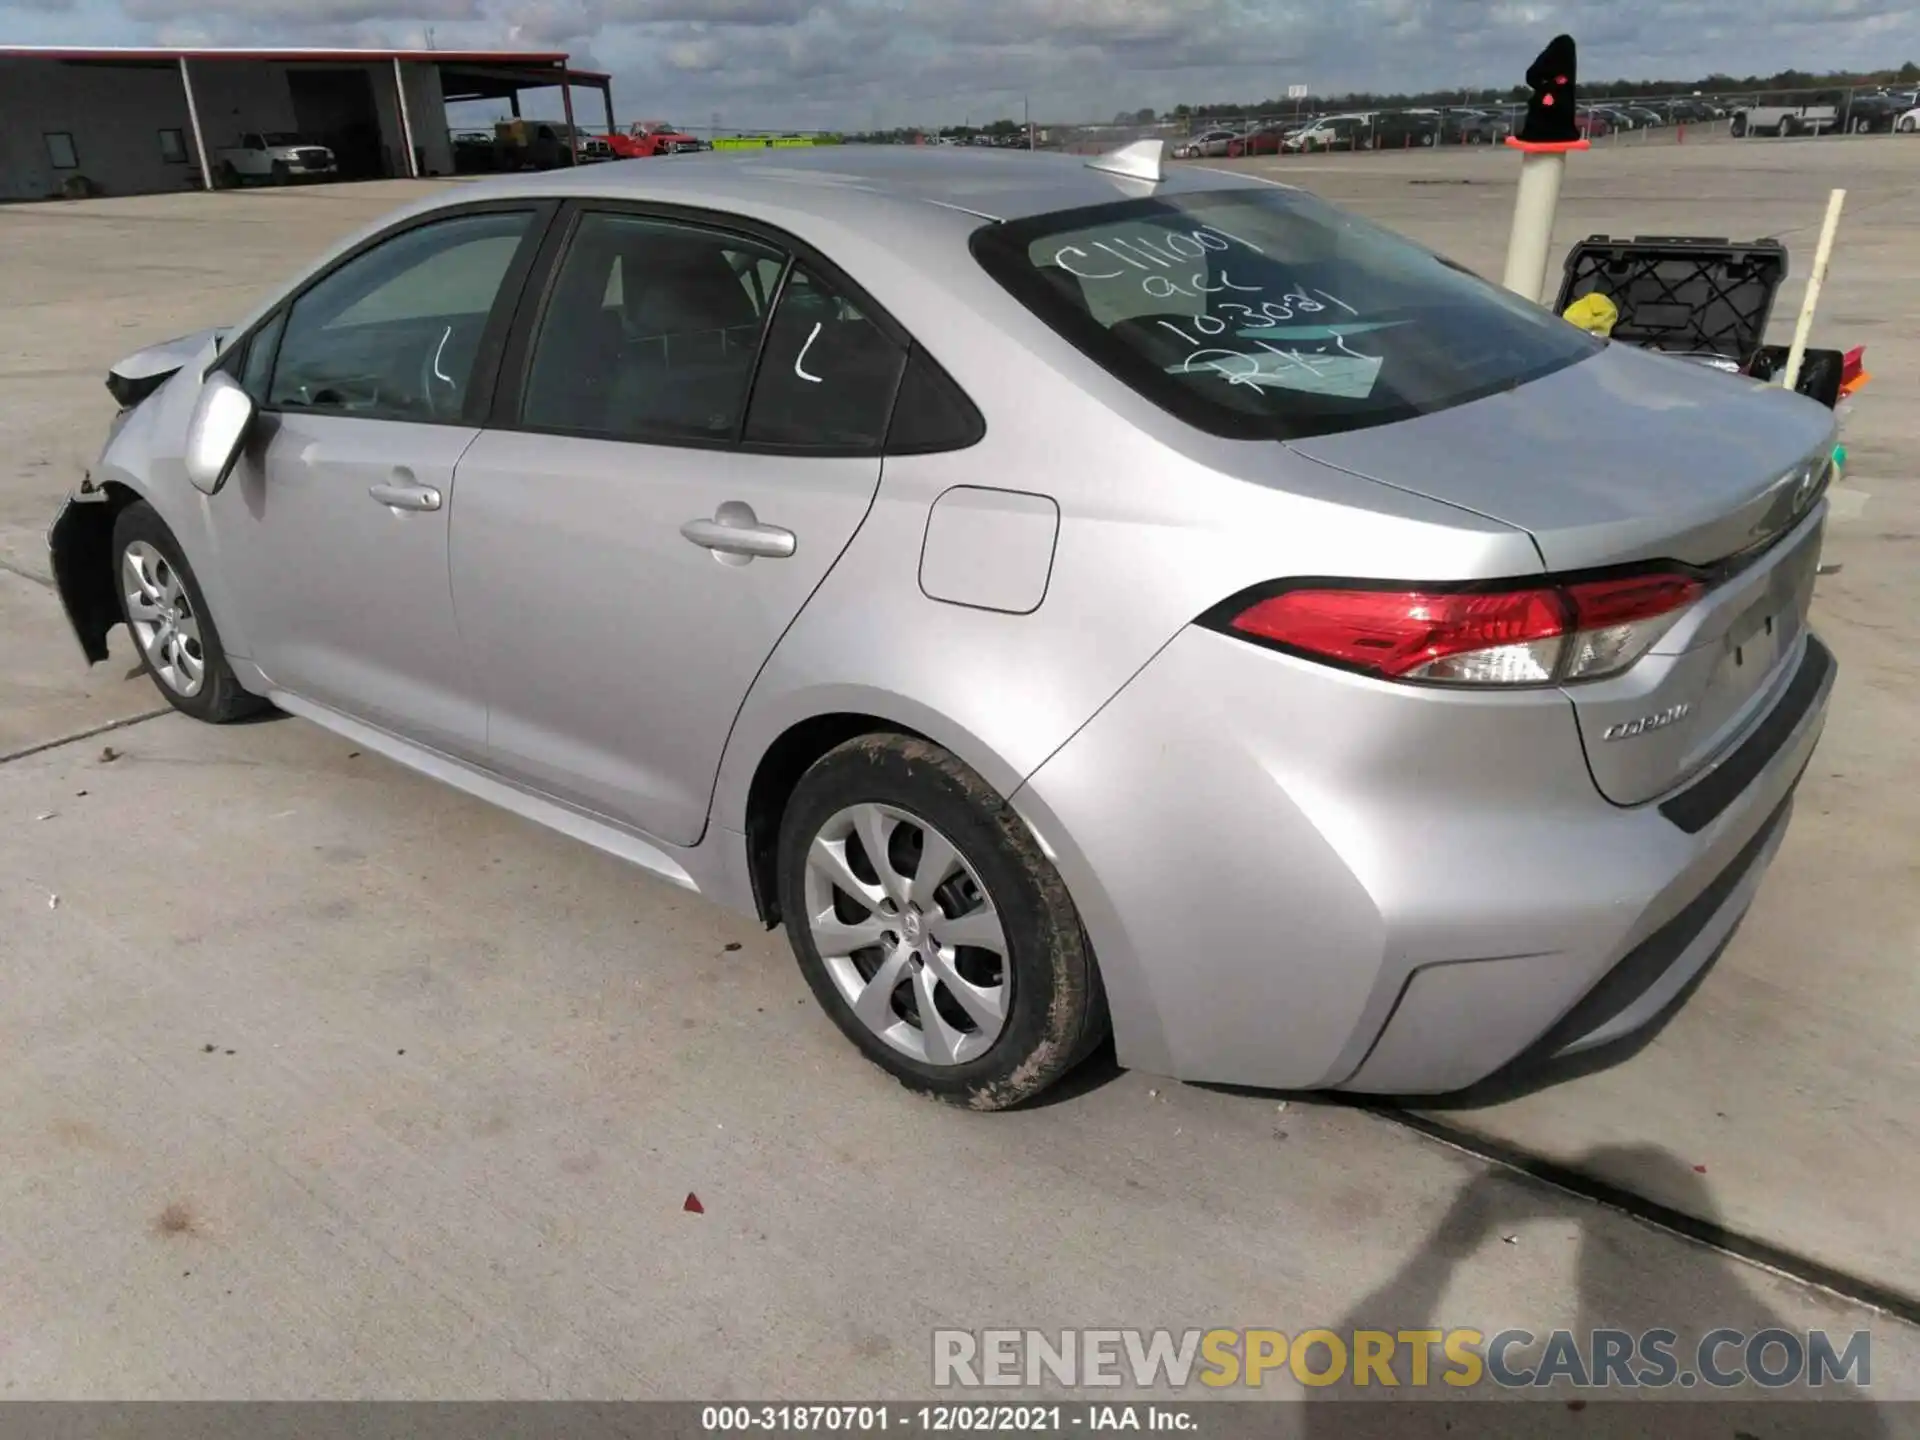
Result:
<point x="1302" y="879"/>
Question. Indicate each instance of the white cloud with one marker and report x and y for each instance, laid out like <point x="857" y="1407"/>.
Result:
<point x="803" y="63"/>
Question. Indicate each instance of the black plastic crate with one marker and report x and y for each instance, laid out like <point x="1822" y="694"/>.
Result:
<point x="1681" y="294"/>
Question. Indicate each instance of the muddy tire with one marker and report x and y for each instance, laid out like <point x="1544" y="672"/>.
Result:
<point x="931" y="927"/>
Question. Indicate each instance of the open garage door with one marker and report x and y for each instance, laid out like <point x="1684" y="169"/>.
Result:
<point x="336" y="108"/>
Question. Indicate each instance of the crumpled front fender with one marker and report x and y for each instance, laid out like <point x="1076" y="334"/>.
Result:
<point x="80" y="552"/>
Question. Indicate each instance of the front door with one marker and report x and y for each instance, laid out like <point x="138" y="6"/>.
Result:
<point x="334" y="527"/>
<point x="697" y="441"/>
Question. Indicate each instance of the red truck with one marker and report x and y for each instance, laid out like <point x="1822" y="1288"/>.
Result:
<point x="652" y="137"/>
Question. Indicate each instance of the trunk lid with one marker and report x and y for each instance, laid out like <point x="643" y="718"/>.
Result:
<point x="1626" y="456"/>
<point x="1709" y="681"/>
<point x="1633" y="457"/>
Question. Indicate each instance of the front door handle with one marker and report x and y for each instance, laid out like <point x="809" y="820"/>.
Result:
<point x="735" y="535"/>
<point x="406" y="496"/>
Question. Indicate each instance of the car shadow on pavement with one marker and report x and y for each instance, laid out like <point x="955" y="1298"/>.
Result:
<point x="1629" y="1279"/>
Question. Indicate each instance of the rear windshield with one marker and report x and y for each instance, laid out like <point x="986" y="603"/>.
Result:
<point x="1269" y="314"/>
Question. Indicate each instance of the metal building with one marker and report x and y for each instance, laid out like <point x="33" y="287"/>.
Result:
<point x="139" y="120"/>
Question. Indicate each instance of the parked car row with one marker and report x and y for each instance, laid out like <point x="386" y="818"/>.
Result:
<point x="1862" y="112"/>
<point x="1423" y="127"/>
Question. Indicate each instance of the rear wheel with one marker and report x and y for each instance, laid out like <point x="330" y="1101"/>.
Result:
<point x="1739" y="126"/>
<point x="931" y="927"/>
<point x="167" y="617"/>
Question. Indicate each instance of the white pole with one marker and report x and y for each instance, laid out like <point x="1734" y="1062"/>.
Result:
<point x="406" y="119"/>
<point x="193" y="118"/>
<point x="1533" y="211"/>
<point x="1821" y="256"/>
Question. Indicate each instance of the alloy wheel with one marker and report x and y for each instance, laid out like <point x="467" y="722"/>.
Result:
<point x="908" y="934"/>
<point x="162" y="619"/>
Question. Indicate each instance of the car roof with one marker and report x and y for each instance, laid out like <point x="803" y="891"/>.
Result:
<point x="839" y="182"/>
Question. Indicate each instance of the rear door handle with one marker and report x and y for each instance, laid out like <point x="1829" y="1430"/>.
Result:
<point x="406" y="496"/>
<point x="735" y="530"/>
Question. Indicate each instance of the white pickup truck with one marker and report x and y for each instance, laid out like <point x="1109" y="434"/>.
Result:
<point x="1787" y="114"/>
<point x="279" y="157"/>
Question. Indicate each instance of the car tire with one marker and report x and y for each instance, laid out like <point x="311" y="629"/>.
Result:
<point x="1739" y="127"/>
<point x="1906" y="127"/>
<point x="1034" y="1007"/>
<point x="168" y="620"/>
<point x="1426" y="140"/>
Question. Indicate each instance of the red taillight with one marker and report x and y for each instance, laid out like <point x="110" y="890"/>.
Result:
<point x="1534" y="636"/>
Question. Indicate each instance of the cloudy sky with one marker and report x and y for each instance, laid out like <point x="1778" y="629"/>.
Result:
<point x="793" y="64"/>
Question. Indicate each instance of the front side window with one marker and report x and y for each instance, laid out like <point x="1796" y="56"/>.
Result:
<point x="173" y="147"/>
<point x="1269" y="314"/>
<point x="256" y="366"/>
<point x="394" y="333"/>
<point x="60" y="151"/>
<point x="651" y="332"/>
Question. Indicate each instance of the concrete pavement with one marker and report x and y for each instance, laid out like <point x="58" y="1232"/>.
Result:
<point x="322" y="1081"/>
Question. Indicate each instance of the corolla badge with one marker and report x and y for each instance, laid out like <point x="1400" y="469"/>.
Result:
<point x="1659" y="720"/>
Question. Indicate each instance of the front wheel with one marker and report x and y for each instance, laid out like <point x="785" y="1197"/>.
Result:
<point x="1907" y="125"/>
<point x="1739" y="127"/>
<point x="931" y="927"/>
<point x="168" y="619"/>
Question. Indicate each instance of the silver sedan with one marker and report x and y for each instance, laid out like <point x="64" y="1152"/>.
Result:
<point x="1071" y="597"/>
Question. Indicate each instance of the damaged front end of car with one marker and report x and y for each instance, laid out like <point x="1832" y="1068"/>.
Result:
<point x="80" y="540"/>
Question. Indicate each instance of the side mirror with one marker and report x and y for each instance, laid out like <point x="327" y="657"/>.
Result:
<point x="221" y="419"/>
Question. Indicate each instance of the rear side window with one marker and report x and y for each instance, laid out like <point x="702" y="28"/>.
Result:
<point x="828" y="375"/>
<point x="651" y="332"/>
<point x="1268" y="314"/>
<point x="931" y="413"/>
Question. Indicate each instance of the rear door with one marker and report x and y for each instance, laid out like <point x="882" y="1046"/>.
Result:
<point x="690" y="441"/>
